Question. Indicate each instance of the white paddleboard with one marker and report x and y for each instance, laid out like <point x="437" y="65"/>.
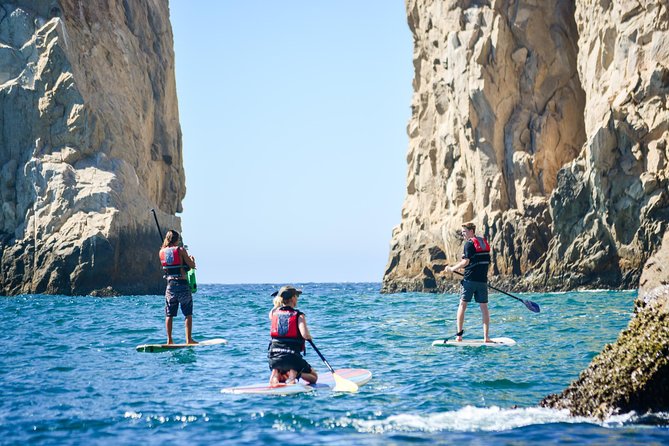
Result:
<point x="155" y="348"/>
<point x="496" y="342"/>
<point x="325" y="382"/>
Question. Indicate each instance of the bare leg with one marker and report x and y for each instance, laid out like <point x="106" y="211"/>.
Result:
<point x="168" y="329"/>
<point x="461" y="318"/>
<point x="310" y="377"/>
<point x="485" y="315"/>
<point x="189" y="330"/>
<point x="274" y="378"/>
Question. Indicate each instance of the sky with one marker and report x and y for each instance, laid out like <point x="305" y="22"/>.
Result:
<point x="294" y="119"/>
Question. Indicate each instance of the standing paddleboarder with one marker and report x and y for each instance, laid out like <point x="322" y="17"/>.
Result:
<point x="176" y="261"/>
<point x="475" y="262"/>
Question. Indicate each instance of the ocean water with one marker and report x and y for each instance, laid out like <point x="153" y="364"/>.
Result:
<point x="70" y="373"/>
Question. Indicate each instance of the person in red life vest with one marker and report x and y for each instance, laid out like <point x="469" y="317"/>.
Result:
<point x="475" y="262"/>
<point x="288" y="331"/>
<point x="175" y="261"/>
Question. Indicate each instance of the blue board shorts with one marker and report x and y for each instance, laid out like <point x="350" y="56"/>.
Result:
<point x="479" y="290"/>
<point x="178" y="294"/>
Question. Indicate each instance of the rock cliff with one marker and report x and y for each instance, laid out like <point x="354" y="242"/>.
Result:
<point x="611" y="207"/>
<point x="546" y="124"/>
<point x="89" y="143"/>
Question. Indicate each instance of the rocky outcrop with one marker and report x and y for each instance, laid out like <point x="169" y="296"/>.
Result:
<point x="633" y="373"/>
<point x="547" y="126"/>
<point x="656" y="270"/>
<point x="90" y="142"/>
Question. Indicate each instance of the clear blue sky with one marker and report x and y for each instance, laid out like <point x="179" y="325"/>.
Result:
<point x="294" y="120"/>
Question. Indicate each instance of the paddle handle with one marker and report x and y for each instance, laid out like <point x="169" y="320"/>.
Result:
<point x="319" y="354"/>
<point x="160" y="232"/>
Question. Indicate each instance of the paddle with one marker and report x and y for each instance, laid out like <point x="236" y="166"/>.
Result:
<point x="341" y="384"/>
<point x="532" y="306"/>
<point x="455" y="335"/>
<point x="157" y="224"/>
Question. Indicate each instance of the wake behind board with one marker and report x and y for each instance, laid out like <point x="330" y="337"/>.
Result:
<point x="155" y="348"/>
<point x="496" y="342"/>
<point x="325" y="382"/>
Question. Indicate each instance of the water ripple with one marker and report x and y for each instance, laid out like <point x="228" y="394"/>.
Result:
<point x="77" y="379"/>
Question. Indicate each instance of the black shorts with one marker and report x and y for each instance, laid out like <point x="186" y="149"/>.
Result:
<point x="287" y="361"/>
<point x="178" y="294"/>
<point x="470" y="288"/>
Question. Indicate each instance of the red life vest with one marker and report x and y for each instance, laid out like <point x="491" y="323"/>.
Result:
<point x="480" y="244"/>
<point x="477" y="270"/>
<point x="285" y="326"/>
<point x="170" y="259"/>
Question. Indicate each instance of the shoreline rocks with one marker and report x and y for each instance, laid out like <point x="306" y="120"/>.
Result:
<point x="631" y="374"/>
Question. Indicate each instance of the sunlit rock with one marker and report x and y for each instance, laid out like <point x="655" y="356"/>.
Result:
<point x="90" y="142"/>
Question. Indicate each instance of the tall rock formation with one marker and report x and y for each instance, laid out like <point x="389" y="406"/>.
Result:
<point x="497" y="111"/>
<point x="611" y="205"/>
<point x="89" y="143"/>
<point x="544" y="123"/>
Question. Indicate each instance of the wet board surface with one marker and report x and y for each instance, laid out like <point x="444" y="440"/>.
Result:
<point x="496" y="342"/>
<point x="325" y="382"/>
<point x="156" y="348"/>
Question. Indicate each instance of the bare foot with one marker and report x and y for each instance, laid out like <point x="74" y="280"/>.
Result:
<point x="488" y="341"/>
<point x="192" y="341"/>
<point x="292" y="377"/>
<point x="458" y="339"/>
<point x="170" y="341"/>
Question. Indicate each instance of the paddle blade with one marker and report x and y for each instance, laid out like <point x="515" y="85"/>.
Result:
<point x="343" y="384"/>
<point x="532" y="306"/>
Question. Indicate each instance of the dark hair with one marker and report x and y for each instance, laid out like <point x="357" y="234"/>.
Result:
<point x="171" y="238"/>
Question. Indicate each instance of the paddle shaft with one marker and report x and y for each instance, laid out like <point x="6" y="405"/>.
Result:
<point x="494" y="288"/>
<point x="325" y="361"/>
<point x="160" y="232"/>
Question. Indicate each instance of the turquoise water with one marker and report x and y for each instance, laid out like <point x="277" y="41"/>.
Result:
<point x="70" y="373"/>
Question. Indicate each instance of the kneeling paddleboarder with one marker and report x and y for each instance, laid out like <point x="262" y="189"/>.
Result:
<point x="288" y="331"/>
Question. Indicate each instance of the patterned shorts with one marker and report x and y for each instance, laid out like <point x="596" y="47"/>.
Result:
<point x="178" y="294"/>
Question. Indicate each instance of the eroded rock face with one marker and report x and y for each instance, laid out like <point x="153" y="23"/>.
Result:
<point x="545" y="125"/>
<point x="497" y="111"/>
<point x="611" y="206"/>
<point x="633" y="373"/>
<point x="89" y="143"/>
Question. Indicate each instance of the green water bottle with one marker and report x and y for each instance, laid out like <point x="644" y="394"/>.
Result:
<point x="192" y="283"/>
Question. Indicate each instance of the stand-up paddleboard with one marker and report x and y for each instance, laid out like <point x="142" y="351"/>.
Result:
<point x="325" y="382"/>
<point x="496" y="342"/>
<point x="155" y="348"/>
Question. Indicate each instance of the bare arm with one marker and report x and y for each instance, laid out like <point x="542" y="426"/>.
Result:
<point x="304" y="330"/>
<point x="461" y="264"/>
<point x="188" y="259"/>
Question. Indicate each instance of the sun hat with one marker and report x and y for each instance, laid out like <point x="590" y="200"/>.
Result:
<point x="286" y="292"/>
